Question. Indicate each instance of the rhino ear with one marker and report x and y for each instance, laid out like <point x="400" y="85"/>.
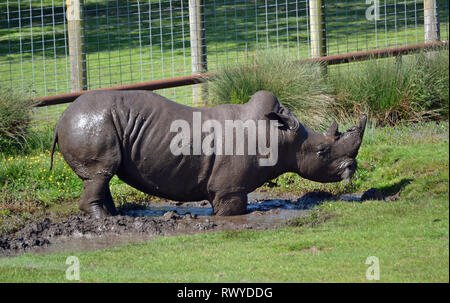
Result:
<point x="287" y="122"/>
<point x="332" y="129"/>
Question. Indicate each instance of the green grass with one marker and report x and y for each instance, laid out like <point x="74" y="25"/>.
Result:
<point x="385" y="159"/>
<point x="409" y="236"/>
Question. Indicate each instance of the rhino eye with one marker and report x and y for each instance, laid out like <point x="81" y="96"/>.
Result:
<point x="322" y="150"/>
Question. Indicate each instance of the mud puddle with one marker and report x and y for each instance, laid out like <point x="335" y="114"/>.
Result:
<point x="177" y="224"/>
<point x="143" y="223"/>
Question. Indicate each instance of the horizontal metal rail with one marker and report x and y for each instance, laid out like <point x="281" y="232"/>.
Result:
<point x="149" y="85"/>
<point x="197" y="78"/>
<point x="379" y="53"/>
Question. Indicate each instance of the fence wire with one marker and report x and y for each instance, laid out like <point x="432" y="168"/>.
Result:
<point x="140" y="40"/>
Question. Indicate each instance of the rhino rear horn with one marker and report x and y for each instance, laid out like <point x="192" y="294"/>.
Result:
<point x="332" y="129"/>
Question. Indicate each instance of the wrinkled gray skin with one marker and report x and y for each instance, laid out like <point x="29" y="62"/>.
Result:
<point x="127" y="133"/>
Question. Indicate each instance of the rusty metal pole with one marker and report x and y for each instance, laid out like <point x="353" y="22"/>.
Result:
<point x="431" y="21"/>
<point x="76" y="55"/>
<point x="198" y="49"/>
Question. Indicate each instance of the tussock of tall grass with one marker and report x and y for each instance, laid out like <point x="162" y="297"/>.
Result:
<point x="19" y="133"/>
<point x="411" y="88"/>
<point x="300" y="87"/>
<point x="15" y="118"/>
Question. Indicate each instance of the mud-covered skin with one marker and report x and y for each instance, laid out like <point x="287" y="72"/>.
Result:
<point x="104" y="133"/>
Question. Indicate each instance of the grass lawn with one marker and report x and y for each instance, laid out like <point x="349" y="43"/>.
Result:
<point x="409" y="236"/>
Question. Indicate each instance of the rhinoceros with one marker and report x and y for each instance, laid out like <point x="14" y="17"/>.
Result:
<point x="131" y="134"/>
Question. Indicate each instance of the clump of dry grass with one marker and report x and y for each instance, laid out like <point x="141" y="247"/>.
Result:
<point x="413" y="88"/>
<point x="15" y="118"/>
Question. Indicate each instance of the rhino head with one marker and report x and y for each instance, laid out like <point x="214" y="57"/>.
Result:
<point x="323" y="157"/>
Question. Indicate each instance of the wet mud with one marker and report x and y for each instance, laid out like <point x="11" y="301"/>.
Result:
<point x="137" y="223"/>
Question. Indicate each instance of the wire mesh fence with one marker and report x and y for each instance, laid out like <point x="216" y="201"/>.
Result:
<point x="131" y="41"/>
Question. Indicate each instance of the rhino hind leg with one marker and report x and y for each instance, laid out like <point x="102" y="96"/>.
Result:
<point x="91" y="147"/>
<point x="96" y="199"/>
<point x="230" y="204"/>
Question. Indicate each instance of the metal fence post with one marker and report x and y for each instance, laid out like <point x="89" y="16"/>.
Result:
<point x="317" y="29"/>
<point x="198" y="49"/>
<point x="431" y="21"/>
<point x="76" y="56"/>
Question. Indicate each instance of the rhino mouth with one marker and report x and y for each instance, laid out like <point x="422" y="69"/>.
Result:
<point x="349" y="169"/>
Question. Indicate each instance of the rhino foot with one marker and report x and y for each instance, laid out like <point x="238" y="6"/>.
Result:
<point x="97" y="211"/>
<point x="230" y="205"/>
<point x="97" y="200"/>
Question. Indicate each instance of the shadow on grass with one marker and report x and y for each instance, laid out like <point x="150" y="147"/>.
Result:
<point x="394" y="189"/>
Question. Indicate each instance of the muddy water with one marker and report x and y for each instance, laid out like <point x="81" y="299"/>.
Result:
<point x="254" y="210"/>
<point x="81" y="233"/>
<point x="257" y="219"/>
<point x="140" y="224"/>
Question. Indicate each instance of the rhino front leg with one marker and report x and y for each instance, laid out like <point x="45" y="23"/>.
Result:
<point x="96" y="199"/>
<point x="230" y="204"/>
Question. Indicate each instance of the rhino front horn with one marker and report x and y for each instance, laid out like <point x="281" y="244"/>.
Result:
<point x="360" y="127"/>
<point x="362" y="123"/>
<point x="352" y="139"/>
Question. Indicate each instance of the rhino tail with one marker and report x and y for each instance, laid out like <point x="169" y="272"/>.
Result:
<point x="55" y="140"/>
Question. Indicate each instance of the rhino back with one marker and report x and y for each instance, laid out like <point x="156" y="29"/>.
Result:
<point x="139" y="121"/>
